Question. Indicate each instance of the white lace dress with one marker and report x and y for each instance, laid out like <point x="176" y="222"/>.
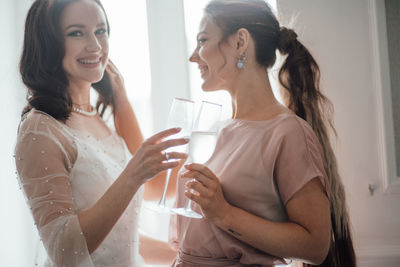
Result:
<point x="64" y="171"/>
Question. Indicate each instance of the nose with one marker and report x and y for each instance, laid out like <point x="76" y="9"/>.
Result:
<point x="93" y="44"/>
<point x="195" y="56"/>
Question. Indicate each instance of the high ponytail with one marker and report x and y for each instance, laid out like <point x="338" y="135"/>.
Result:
<point x="299" y="76"/>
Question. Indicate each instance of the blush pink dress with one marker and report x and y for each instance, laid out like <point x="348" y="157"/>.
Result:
<point x="261" y="165"/>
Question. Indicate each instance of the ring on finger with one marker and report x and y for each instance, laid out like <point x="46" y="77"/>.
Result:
<point x="166" y="155"/>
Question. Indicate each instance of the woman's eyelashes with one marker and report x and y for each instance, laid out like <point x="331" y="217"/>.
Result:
<point x="101" y="31"/>
<point x="75" y="34"/>
<point x="201" y="41"/>
<point x="79" y="33"/>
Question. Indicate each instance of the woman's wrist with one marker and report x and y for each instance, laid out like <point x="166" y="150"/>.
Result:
<point x="225" y="216"/>
<point x="132" y="180"/>
<point x="121" y="101"/>
<point x="228" y="221"/>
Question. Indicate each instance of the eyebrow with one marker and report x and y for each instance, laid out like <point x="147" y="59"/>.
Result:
<point x="200" y="33"/>
<point x="82" y="26"/>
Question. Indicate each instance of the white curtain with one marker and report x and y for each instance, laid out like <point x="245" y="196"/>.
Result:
<point x="18" y="234"/>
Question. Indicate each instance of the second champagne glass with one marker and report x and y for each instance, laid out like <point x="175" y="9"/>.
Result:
<point x="202" y="144"/>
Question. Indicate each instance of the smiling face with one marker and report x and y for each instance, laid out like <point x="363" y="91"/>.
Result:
<point x="86" y="42"/>
<point x="216" y="60"/>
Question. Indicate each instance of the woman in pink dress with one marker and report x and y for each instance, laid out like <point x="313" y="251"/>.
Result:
<point x="271" y="192"/>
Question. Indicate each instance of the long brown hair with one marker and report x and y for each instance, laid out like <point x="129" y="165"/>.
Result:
<point x="41" y="62"/>
<point x="299" y="76"/>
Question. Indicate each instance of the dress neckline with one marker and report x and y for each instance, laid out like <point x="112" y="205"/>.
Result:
<point x="73" y="131"/>
<point x="279" y="116"/>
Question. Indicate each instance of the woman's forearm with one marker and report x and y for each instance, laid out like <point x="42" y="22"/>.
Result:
<point x="97" y="221"/>
<point x="126" y="124"/>
<point x="286" y="240"/>
<point x="306" y="236"/>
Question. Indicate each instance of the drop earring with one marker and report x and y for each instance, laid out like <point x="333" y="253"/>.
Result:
<point x="241" y="64"/>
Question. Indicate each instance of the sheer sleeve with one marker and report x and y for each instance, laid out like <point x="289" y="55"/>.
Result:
<point x="299" y="158"/>
<point x="44" y="155"/>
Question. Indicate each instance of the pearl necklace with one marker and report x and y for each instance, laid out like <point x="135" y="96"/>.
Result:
<point x="85" y="113"/>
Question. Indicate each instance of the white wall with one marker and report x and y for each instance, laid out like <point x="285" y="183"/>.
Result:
<point x="17" y="237"/>
<point x="340" y="36"/>
<point x="168" y="60"/>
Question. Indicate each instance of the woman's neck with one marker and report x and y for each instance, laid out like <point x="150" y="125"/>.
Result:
<point x="80" y="94"/>
<point x="253" y="98"/>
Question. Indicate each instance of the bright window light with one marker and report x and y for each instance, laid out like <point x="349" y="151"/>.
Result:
<point x="129" y="50"/>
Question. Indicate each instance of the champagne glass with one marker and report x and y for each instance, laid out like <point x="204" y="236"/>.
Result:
<point x="180" y="115"/>
<point x="202" y="144"/>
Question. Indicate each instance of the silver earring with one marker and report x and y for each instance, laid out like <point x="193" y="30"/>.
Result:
<point x="241" y="64"/>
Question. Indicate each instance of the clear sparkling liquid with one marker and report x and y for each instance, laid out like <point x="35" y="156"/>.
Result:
<point x="202" y="145"/>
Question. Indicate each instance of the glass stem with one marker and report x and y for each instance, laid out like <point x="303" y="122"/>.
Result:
<point x="164" y="194"/>
<point x="188" y="204"/>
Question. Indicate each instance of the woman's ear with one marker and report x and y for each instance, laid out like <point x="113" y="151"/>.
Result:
<point x="242" y="40"/>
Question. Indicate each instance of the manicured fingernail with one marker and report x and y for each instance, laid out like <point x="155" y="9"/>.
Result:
<point x="178" y="128"/>
<point x="187" y="139"/>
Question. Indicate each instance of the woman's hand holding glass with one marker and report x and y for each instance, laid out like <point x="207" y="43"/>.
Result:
<point x="151" y="158"/>
<point x="205" y="189"/>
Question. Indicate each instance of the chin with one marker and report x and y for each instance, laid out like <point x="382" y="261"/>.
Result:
<point x="95" y="77"/>
<point x="209" y="87"/>
<point x="206" y="86"/>
<point x="98" y="78"/>
<point x="206" y="89"/>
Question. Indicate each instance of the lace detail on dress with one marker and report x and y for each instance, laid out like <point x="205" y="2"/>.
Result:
<point x="62" y="174"/>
